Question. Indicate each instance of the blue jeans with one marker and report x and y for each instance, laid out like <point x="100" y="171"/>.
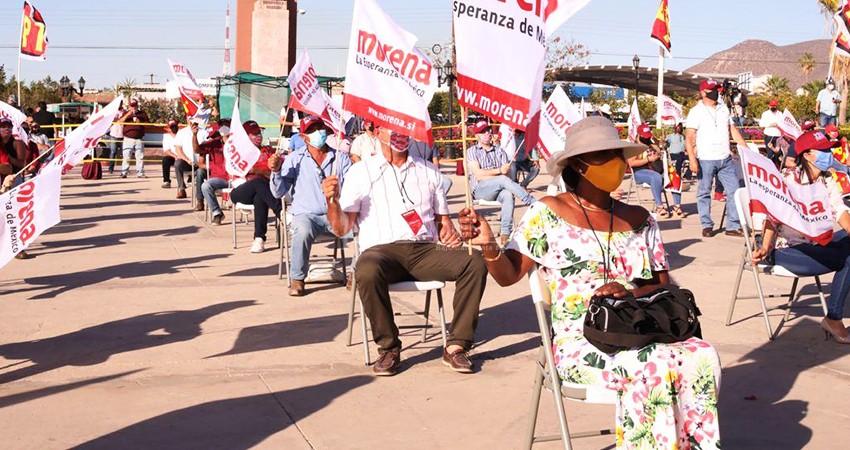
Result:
<point x="503" y="189"/>
<point x="207" y="190"/>
<point x="526" y="166"/>
<point x="826" y="119"/>
<point x="305" y="229"/>
<point x="811" y="259"/>
<point x="724" y="170"/>
<point x="130" y="146"/>
<point x="656" y="185"/>
<point x="113" y="154"/>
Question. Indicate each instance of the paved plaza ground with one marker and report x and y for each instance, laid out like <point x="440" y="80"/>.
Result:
<point x="137" y="325"/>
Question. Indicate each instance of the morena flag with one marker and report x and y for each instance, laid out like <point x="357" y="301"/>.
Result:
<point x="33" y="34"/>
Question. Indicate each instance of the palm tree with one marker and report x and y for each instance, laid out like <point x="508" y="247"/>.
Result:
<point x="774" y="86"/>
<point x="807" y="64"/>
<point x="813" y="87"/>
<point x="840" y="65"/>
<point x="127" y="88"/>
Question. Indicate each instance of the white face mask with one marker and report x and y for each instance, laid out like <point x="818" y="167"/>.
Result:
<point x="830" y="86"/>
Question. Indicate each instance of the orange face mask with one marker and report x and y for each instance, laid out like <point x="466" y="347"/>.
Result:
<point x="606" y="176"/>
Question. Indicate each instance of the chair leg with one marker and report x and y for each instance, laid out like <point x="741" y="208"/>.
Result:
<point x="820" y="294"/>
<point x="282" y="260"/>
<point x="535" y="398"/>
<point x="233" y="225"/>
<point x="791" y="298"/>
<point x="442" y="317"/>
<point x="351" y="312"/>
<point x="365" y="337"/>
<point x="554" y="378"/>
<point x="736" y="289"/>
<point x="426" y="313"/>
<point x="344" y="268"/>
<point x="767" y="325"/>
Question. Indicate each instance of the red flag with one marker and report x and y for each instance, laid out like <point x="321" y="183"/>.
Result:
<point x="840" y="153"/>
<point x="842" y="46"/>
<point x="842" y="181"/>
<point x="33" y="34"/>
<point x="842" y="18"/>
<point x="661" y="26"/>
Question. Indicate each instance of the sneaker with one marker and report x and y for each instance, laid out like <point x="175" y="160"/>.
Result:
<point x="216" y="220"/>
<point x="22" y="255"/>
<point x="166" y="184"/>
<point x="141" y="175"/>
<point x="388" y="363"/>
<point x="123" y="175"/>
<point x="181" y="193"/>
<point x="457" y="361"/>
<point x="259" y="245"/>
<point x="719" y="197"/>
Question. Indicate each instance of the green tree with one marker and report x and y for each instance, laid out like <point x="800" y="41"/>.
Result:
<point x="562" y="54"/>
<point x="776" y="86"/>
<point x="807" y="64"/>
<point x="840" y="64"/>
<point x="813" y="87"/>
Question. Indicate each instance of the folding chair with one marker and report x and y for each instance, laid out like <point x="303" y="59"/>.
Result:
<point x="751" y="230"/>
<point x="339" y="249"/>
<point x="246" y="210"/>
<point x="546" y="375"/>
<point x="405" y="286"/>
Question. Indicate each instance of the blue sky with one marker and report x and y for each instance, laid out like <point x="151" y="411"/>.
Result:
<point x="192" y="31"/>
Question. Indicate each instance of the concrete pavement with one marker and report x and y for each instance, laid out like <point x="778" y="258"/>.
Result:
<point x="137" y="325"/>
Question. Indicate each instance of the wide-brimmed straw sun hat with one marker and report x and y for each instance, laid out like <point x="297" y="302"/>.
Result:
<point x="589" y="135"/>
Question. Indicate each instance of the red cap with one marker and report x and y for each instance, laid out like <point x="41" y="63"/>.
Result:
<point x="480" y="126"/>
<point x="645" y="131"/>
<point x="709" y="85"/>
<point x="6" y="120"/>
<point x="774" y="102"/>
<point x="307" y="122"/>
<point x="224" y="122"/>
<point x="214" y="132"/>
<point x="831" y="128"/>
<point x="252" y="127"/>
<point x="807" y="125"/>
<point x="812" y="140"/>
<point x="134" y="102"/>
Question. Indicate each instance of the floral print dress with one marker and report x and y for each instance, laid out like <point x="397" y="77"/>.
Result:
<point x="666" y="394"/>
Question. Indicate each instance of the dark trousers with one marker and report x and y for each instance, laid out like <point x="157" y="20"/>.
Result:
<point x="180" y="169"/>
<point x="526" y="165"/>
<point x="679" y="162"/>
<point x="167" y="163"/>
<point x="382" y="265"/>
<point x="257" y="192"/>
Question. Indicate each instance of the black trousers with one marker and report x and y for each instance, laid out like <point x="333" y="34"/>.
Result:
<point x="258" y="193"/>
<point x="382" y="265"/>
<point x="167" y="163"/>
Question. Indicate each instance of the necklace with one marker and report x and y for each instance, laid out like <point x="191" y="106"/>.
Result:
<point x="606" y="251"/>
<point x="591" y="207"/>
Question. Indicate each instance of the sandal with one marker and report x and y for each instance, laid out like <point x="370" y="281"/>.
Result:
<point x="678" y="213"/>
<point x="662" y="212"/>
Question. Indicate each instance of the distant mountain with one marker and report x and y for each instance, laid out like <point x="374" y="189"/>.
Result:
<point x="763" y="57"/>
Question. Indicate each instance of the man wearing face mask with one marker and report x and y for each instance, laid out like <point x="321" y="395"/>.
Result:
<point x="827" y="102"/>
<point x="256" y="190"/>
<point x="398" y="204"/>
<point x="769" y="120"/>
<point x="302" y="173"/>
<point x="490" y="167"/>
<point x="707" y="141"/>
<point x="366" y="145"/>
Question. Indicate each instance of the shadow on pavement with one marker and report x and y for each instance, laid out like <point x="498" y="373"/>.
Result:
<point x="23" y="397"/>
<point x="292" y="333"/>
<point x="96" y="344"/>
<point x="96" y="194"/>
<point x="60" y="284"/>
<point x="109" y="240"/>
<point x="236" y="423"/>
<point x="674" y="252"/>
<point x="94" y="218"/>
<point x="110" y="204"/>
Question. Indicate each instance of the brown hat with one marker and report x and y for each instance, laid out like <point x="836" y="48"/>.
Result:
<point x="589" y="135"/>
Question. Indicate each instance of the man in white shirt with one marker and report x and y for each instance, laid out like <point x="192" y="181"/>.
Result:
<point x="769" y="120"/>
<point x="826" y="104"/>
<point x="366" y="145"/>
<point x="169" y="157"/>
<point x="398" y="204"/>
<point x="707" y="140"/>
<point x="184" y="143"/>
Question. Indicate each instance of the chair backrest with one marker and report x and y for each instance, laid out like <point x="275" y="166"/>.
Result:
<point x="539" y="291"/>
<point x="236" y="182"/>
<point x="556" y="186"/>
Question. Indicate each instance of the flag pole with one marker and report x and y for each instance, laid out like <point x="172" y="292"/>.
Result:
<point x="832" y="54"/>
<point x="282" y="126"/>
<point x="18" y="73"/>
<point x="658" y="101"/>
<point x="50" y="150"/>
<point x="467" y="190"/>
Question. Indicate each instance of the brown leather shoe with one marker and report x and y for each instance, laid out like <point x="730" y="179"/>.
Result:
<point x="199" y="206"/>
<point x="457" y="361"/>
<point x="181" y="193"/>
<point x="707" y="232"/>
<point x="735" y="233"/>
<point x="297" y="288"/>
<point x="388" y="363"/>
<point x="216" y="220"/>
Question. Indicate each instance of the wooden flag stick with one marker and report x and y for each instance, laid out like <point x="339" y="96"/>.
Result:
<point x="50" y="150"/>
<point x="282" y="126"/>
<point x="466" y="186"/>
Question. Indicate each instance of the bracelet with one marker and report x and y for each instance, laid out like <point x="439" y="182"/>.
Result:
<point x="496" y="258"/>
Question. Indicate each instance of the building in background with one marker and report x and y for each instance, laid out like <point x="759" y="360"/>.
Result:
<point x="265" y="36"/>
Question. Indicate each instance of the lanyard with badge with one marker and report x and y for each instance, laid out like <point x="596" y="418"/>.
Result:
<point x="410" y="215"/>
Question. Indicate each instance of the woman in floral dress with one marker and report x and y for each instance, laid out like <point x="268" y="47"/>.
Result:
<point x="586" y="243"/>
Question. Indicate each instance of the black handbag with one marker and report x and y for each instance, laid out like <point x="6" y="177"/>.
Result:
<point x="666" y="315"/>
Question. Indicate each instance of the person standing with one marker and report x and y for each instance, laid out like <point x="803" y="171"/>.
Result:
<point x="134" y="131"/>
<point x="769" y="120"/>
<point x="116" y="134"/>
<point x="45" y="118"/>
<point x="708" y="130"/>
<point x="827" y="102"/>
<point x="676" y="147"/>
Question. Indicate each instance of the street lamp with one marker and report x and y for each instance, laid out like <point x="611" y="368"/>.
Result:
<point x="636" y="65"/>
<point x="67" y="88"/>
<point x="445" y="74"/>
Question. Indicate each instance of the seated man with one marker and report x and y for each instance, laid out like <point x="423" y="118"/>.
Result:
<point x="169" y="158"/>
<point x="256" y="190"/>
<point x="523" y="161"/>
<point x="366" y="145"/>
<point x="185" y="141"/>
<point x="211" y="178"/>
<point x="303" y="173"/>
<point x="489" y="167"/>
<point x="398" y="205"/>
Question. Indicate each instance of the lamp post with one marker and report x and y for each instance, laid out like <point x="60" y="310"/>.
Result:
<point x="636" y="65"/>
<point x="67" y="88"/>
<point x="445" y="74"/>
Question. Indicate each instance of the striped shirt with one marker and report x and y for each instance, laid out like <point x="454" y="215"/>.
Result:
<point x="486" y="159"/>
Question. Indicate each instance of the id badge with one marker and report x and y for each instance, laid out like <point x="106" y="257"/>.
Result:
<point x="413" y="220"/>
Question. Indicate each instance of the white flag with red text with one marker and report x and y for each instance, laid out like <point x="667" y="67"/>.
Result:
<point x="78" y="143"/>
<point x="387" y="79"/>
<point x="190" y="93"/>
<point x="28" y="210"/>
<point x="788" y="125"/>
<point x="486" y="31"/>
<point x="671" y="112"/>
<point x="557" y="116"/>
<point x="804" y="208"/>
<point x="309" y="97"/>
<point x="634" y="122"/>
<point x="18" y="118"/>
<point x="240" y="154"/>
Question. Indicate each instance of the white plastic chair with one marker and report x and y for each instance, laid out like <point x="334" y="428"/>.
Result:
<point x="546" y="375"/>
<point x="751" y="228"/>
<point x="405" y="286"/>
<point x="244" y="211"/>
<point x="285" y="257"/>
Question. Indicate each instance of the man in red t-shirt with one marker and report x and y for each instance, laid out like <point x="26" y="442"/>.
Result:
<point x="256" y="190"/>
<point x="213" y="177"/>
<point x="134" y="131"/>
